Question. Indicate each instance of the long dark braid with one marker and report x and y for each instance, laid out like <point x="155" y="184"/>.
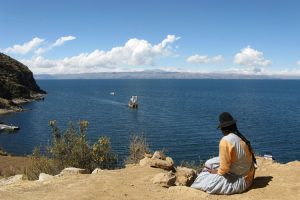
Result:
<point x="238" y="133"/>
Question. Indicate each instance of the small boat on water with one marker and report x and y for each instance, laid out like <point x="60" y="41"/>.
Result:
<point x="133" y="102"/>
<point x="112" y="93"/>
<point x="4" y="127"/>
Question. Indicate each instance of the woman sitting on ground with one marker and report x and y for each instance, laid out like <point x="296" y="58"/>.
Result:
<point x="233" y="171"/>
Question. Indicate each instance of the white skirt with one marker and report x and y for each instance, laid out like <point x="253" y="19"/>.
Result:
<point x="216" y="184"/>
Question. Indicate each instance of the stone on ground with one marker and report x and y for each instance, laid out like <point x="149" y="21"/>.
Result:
<point x="165" y="179"/>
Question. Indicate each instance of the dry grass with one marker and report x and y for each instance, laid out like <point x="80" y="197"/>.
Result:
<point x="40" y="164"/>
<point x="10" y="165"/>
<point x="138" y="147"/>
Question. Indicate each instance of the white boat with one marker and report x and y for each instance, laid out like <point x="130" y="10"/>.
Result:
<point x="4" y="127"/>
<point x="112" y="93"/>
<point x="133" y="102"/>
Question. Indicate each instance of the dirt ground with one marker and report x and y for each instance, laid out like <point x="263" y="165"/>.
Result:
<point x="272" y="181"/>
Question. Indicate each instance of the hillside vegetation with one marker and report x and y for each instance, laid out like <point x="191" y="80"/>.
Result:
<point x="16" y="82"/>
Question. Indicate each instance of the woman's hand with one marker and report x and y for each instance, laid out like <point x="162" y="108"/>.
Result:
<point x="212" y="171"/>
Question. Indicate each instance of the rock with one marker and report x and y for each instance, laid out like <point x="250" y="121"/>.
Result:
<point x="45" y="177"/>
<point x="185" y="176"/>
<point x="170" y="160"/>
<point x="11" y="180"/>
<point x="159" y="155"/>
<point x="148" y="155"/>
<point x="97" y="170"/>
<point x="73" y="170"/>
<point x="145" y="161"/>
<point x="158" y="163"/>
<point x="162" y="164"/>
<point x="164" y="179"/>
<point x="3" y="153"/>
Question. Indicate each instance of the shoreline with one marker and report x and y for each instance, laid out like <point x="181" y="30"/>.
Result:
<point x="4" y="111"/>
<point x="19" y="102"/>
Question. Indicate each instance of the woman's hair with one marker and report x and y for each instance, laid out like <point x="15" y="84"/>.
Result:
<point x="229" y="129"/>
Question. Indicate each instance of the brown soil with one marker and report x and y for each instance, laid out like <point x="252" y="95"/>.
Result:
<point x="273" y="181"/>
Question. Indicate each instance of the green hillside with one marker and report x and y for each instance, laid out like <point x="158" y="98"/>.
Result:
<point x="16" y="82"/>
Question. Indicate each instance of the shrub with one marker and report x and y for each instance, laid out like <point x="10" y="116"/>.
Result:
<point x="71" y="149"/>
<point x="39" y="164"/>
<point x="138" y="147"/>
<point x="102" y="154"/>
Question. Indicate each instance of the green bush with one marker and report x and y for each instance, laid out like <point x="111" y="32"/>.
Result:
<point x="71" y="149"/>
<point x="102" y="154"/>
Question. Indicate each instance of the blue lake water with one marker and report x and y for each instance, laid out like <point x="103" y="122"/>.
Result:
<point x="179" y="116"/>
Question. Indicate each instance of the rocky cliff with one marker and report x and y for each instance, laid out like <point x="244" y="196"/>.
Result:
<point x="16" y="82"/>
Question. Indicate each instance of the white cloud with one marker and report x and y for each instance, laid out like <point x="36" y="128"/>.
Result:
<point x="198" y="59"/>
<point x="166" y="42"/>
<point x="34" y="44"/>
<point x="218" y="58"/>
<point x="135" y="52"/>
<point x="24" y="48"/>
<point x="251" y="58"/>
<point x="41" y="62"/>
<point x="62" y="40"/>
<point x="298" y="62"/>
<point x="59" y="42"/>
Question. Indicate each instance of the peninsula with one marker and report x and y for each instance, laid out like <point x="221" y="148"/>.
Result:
<point x="17" y="85"/>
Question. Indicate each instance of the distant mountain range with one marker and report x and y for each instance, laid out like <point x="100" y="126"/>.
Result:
<point x="158" y="74"/>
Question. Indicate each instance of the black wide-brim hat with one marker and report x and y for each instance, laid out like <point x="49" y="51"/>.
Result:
<point x="226" y="120"/>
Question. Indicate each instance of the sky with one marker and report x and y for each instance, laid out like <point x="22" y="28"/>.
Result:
<point x="260" y="37"/>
